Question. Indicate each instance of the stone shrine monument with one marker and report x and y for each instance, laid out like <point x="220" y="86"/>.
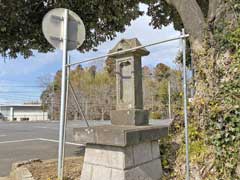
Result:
<point x="127" y="149"/>
<point x="129" y="109"/>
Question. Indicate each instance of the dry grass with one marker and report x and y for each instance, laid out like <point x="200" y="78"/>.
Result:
<point x="47" y="170"/>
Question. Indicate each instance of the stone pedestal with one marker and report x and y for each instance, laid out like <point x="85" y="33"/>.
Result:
<point x="134" y="162"/>
<point x="136" y="117"/>
<point x="116" y="152"/>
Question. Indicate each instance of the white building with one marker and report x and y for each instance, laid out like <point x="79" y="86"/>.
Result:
<point x="24" y="112"/>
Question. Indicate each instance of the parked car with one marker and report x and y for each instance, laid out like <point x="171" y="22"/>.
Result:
<point x="1" y="116"/>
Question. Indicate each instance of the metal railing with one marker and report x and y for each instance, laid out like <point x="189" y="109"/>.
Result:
<point x="66" y="69"/>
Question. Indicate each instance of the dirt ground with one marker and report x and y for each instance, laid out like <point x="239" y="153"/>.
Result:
<point x="47" y="170"/>
<point x="4" y="178"/>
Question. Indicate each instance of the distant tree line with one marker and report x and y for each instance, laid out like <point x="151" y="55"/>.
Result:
<point x="96" y="92"/>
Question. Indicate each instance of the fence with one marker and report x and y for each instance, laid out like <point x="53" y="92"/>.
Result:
<point x="93" y="82"/>
<point x="87" y="87"/>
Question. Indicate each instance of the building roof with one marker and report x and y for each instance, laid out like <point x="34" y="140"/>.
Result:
<point x="21" y="105"/>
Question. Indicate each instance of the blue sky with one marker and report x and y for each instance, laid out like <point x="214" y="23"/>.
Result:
<point x="19" y="78"/>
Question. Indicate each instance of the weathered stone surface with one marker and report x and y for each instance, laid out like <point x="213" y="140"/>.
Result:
<point x="22" y="163"/>
<point x="118" y="174"/>
<point x="147" y="171"/>
<point x="127" y="149"/>
<point x="101" y="173"/>
<point x="134" y="162"/>
<point x="128" y="76"/>
<point x="129" y="82"/>
<point x="129" y="92"/>
<point x="142" y="153"/>
<point x="21" y="173"/>
<point x="135" y="117"/>
<point x="155" y="150"/>
<point x="87" y="172"/>
<point x="127" y="44"/>
<point x="109" y="156"/>
<point x="119" y="135"/>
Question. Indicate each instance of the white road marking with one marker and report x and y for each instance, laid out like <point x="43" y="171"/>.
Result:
<point x="56" y="141"/>
<point x="45" y="127"/>
<point x="3" y="135"/>
<point x="17" y="141"/>
<point x="39" y="139"/>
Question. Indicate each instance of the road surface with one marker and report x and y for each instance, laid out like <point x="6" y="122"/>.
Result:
<point x="21" y="141"/>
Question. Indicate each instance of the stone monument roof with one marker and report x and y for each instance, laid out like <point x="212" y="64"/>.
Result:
<point x="125" y="44"/>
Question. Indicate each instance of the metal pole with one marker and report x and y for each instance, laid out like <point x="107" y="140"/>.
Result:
<point x="86" y="109"/>
<point x="129" y="50"/>
<point x="78" y="105"/>
<point x="66" y="111"/>
<point x="67" y="87"/>
<point x="192" y="69"/>
<point x="152" y="102"/>
<point x="185" y="105"/>
<point x="169" y="101"/>
<point x="53" y="94"/>
<point x="63" y="99"/>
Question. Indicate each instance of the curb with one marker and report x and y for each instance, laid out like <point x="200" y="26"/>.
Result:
<point x="19" y="172"/>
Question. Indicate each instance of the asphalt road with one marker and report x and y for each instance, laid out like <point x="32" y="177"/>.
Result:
<point x="21" y="141"/>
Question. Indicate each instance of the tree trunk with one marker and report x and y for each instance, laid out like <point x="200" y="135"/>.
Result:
<point x="193" y="20"/>
<point x="212" y="10"/>
<point x="211" y="67"/>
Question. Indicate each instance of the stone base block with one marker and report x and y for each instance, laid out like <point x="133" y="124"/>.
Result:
<point x="136" y="117"/>
<point x="115" y="135"/>
<point x="135" y="162"/>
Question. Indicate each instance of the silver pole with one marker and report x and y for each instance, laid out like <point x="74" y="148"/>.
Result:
<point x="66" y="111"/>
<point x="53" y="94"/>
<point x="63" y="100"/>
<point x="192" y="70"/>
<point x="67" y="87"/>
<point x="169" y="101"/>
<point x="185" y="105"/>
<point x="78" y="105"/>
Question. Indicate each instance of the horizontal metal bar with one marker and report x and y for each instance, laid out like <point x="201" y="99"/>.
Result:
<point x="59" y="18"/>
<point x="61" y="39"/>
<point x="129" y="50"/>
<point x="56" y="38"/>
